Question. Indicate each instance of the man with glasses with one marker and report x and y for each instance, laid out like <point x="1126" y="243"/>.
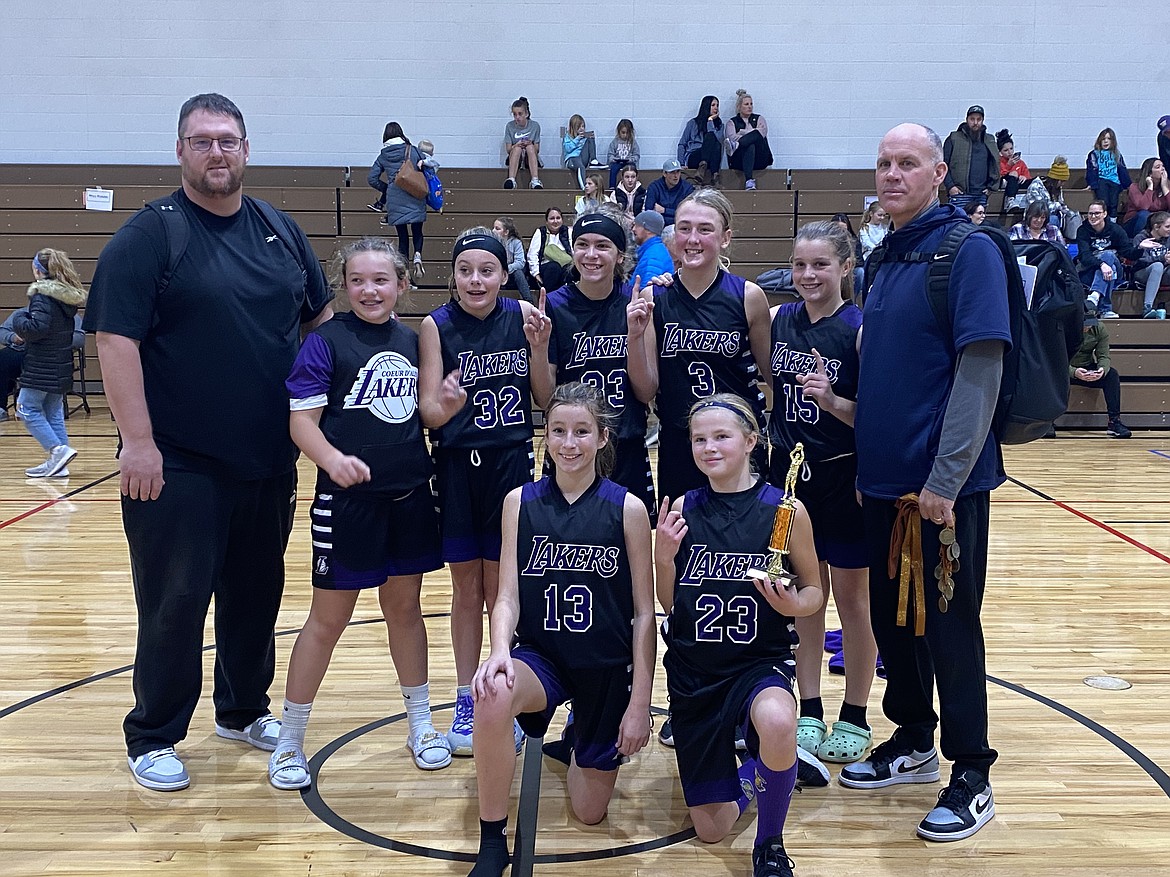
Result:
<point x="1101" y="244"/>
<point x="199" y="302"/>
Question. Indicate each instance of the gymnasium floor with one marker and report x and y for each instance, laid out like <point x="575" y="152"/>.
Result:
<point x="1078" y="586"/>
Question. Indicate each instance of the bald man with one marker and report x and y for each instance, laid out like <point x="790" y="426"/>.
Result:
<point x="925" y="400"/>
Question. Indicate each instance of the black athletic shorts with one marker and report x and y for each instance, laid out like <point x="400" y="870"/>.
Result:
<point x="829" y="492"/>
<point x="471" y="484"/>
<point x="361" y="539"/>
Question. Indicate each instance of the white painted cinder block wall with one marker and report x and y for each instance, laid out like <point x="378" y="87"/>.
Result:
<point x="98" y="82"/>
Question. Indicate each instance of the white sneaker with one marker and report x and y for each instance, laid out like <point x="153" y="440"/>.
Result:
<point x="262" y="733"/>
<point x="59" y="459"/>
<point x="159" y="769"/>
<point x="39" y="471"/>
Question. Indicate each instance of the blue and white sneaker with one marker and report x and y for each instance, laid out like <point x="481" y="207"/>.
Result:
<point x="964" y="807"/>
<point x="262" y="733"/>
<point x="462" y="725"/>
<point x="159" y="769"/>
<point x="890" y="764"/>
<point x="519" y="736"/>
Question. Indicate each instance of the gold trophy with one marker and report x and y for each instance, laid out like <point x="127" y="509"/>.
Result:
<point x="782" y="525"/>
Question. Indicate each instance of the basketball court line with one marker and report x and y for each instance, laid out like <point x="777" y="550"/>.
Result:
<point x="52" y="502"/>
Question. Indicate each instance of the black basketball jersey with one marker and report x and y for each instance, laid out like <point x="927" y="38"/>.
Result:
<point x="371" y="410"/>
<point x="720" y="625"/>
<point x="795" y="419"/>
<point x="703" y="348"/>
<point x="576" y="593"/>
<point x="588" y="344"/>
<point x="492" y="356"/>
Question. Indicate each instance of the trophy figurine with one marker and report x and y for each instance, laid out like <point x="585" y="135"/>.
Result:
<point x="782" y="525"/>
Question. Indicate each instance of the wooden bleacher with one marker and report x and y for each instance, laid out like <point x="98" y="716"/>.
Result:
<point x="43" y="205"/>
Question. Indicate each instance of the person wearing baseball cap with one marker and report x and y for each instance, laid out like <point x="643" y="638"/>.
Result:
<point x="653" y="257"/>
<point x="1164" y="140"/>
<point x="972" y="159"/>
<point x="667" y="192"/>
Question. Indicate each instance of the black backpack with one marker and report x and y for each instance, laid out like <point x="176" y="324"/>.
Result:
<point x="178" y="233"/>
<point x="1045" y="334"/>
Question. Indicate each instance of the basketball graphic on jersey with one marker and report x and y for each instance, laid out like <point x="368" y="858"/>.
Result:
<point x="387" y="385"/>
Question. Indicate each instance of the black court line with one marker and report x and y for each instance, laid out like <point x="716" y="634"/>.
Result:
<point x="528" y="810"/>
<point x="52" y="502"/>
<point x="1156" y="773"/>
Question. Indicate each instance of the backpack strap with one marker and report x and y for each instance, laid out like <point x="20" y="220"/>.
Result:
<point x="177" y="231"/>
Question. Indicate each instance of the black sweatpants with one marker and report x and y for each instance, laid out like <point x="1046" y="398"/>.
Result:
<point x="1110" y="385"/>
<point x="951" y="653"/>
<point x="205" y="535"/>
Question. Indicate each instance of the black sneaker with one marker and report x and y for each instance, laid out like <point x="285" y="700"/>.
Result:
<point x="964" y="807"/>
<point x="889" y="764"/>
<point x="770" y="860"/>
<point x="1117" y="429"/>
<point x="376" y="207"/>
<point x="510" y="183"/>
<point x="810" y="772"/>
<point x="666" y="734"/>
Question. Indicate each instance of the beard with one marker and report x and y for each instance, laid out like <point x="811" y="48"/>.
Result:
<point x="204" y="185"/>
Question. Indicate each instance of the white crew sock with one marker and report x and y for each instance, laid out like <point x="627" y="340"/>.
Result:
<point x="418" y="705"/>
<point x="293" y="722"/>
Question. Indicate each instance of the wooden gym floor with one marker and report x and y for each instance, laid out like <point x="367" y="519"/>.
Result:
<point x="1078" y="585"/>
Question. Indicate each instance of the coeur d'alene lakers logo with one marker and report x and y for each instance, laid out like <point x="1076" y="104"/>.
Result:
<point x="387" y="385"/>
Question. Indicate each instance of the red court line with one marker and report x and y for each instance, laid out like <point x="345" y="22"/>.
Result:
<point x="30" y="512"/>
<point x="1134" y="542"/>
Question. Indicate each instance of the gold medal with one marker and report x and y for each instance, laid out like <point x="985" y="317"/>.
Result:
<point x="947" y="536"/>
<point x="942" y="604"/>
<point x="953" y="551"/>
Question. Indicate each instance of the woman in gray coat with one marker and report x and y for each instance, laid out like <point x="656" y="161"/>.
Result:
<point x="403" y="210"/>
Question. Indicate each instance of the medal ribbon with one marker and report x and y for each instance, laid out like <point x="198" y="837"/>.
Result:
<point x="905" y="562"/>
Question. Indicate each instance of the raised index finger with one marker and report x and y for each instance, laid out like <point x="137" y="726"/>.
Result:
<point x="541" y="301"/>
<point x="820" y="361"/>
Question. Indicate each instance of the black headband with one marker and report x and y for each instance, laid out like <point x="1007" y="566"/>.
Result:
<point x="716" y="403"/>
<point x="599" y="223"/>
<point x="486" y="242"/>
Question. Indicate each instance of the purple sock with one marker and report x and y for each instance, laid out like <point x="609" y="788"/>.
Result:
<point x="747" y="784"/>
<point x="773" y="800"/>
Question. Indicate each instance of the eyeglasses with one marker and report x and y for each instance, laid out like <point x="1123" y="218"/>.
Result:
<point x="1096" y="213"/>
<point x="226" y="144"/>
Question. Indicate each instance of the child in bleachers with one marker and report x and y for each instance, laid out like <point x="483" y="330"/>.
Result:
<point x="578" y="148"/>
<point x="1105" y="171"/>
<point x="622" y="152"/>
<point x="522" y="140"/>
<point x="875" y="225"/>
<point x="505" y="229"/>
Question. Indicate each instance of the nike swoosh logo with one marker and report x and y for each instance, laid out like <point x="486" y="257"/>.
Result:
<point x="903" y="767"/>
<point x="981" y="808"/>
<point x="590" y="222"/>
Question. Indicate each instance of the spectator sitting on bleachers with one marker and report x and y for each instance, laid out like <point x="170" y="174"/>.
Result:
<point x="1150" y="265"/>
<point x="545" y="264"/>
<point x="1149" y="193"/>
<point x="1101" y="244"/>
<point x="747" y="139"/>
<point x="522" y="140"/>
<point x="975" y="211"/>
<point x="622" y="151"/>
<point x="1036" y="227"/>
<point x="653" y="256"/>
<point x="1105" y="170"/>
<point x="668" y="191"/>
<point x="701" y="146"/>
<point x="505" y="229"/>
<point x="875" y="225"/>
<point x="972" y="161"/>
<point x="1090" y="368"/>
<point x="629" y="194"/>
<point x="1013" y="173"/>
<point x="591" y="197"/>
<point x="1048" y="190"/>
<point x="578" y="148"/>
